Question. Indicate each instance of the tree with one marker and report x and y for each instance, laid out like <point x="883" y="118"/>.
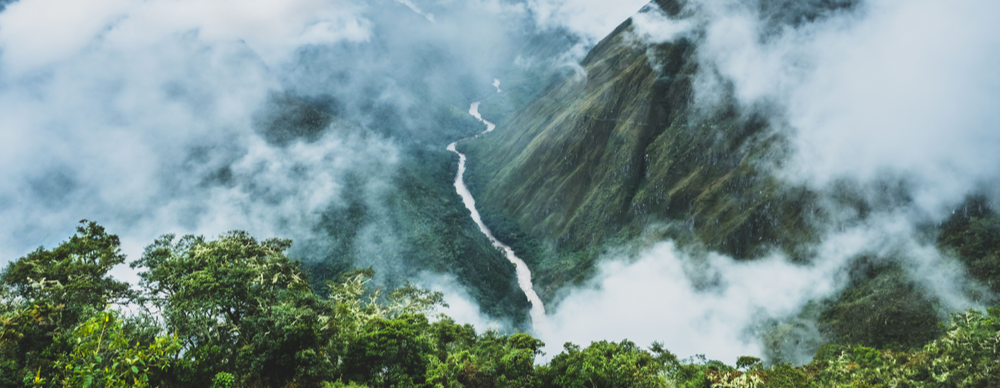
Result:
<point x="50" y="293"/>
<point x="606" y="364"/>
<point x="75" y="274"/>
<point x="104" y="355"/>
<point x="389" y="352"/>
<point x="240" y="306"/>
<point x="384" y="340"/>
<point x="489" y="360"/>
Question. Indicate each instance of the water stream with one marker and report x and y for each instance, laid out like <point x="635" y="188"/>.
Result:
<point x="523" y="273"/>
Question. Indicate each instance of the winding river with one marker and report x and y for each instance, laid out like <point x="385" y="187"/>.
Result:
<point x="523" y="273"/>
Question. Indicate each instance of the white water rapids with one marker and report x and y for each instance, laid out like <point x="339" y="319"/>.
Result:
<point x="523" y="273"/>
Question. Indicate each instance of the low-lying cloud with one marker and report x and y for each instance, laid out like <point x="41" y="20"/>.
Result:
<point x="461" y="306"/>
<point x="710" y="304"/>
<point x="146" y="116"/>
<point x="901" y="86"/>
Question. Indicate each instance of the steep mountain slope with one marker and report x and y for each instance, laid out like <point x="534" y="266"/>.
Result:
<point x="604" y="158"/>
<point x="624" y="153"/>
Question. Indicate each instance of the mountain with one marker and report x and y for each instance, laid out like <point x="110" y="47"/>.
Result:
<point x="607" y="158"/>
<point x="622" y="154"/>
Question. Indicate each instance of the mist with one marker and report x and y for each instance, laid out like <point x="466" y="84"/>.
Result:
<point x="156" y="117"/>
<point x="905" y="87"/>
<point x="697" y="302"/>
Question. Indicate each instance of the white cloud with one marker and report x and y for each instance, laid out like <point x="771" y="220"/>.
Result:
<point x="461" y="307"/>
<point x="120" y="115"/>
<point x="36" y="33"/>
<point x="591" y="19"/>
<point x="655" y="26"/>
<point x="908" y="88"/>
<point x="902" y="86"/>
<point x="654" y="298"/>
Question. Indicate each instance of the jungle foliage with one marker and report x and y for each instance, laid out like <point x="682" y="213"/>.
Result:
<point x="238" y="312"/>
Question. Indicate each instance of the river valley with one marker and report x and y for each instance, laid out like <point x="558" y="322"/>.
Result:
<point x="523" y="272"/>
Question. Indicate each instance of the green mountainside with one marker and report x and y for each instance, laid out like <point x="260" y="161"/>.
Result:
<point x="604" y="159"/>
<point x="624" y="156"/>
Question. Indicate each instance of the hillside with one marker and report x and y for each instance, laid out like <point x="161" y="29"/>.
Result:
<point x="624" y="155"/>
<point x="609" y="158"/>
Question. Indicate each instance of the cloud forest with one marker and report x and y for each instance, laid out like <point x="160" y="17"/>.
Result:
<point x="499" y="193"/>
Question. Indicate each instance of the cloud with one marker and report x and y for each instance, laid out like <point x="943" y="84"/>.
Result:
<point x="141" y="116"/>
<point x="272" y="29"/>
<point x="867" y="92"/>
<point x="461" y="307"/>
<point x="653" y="25"/>
<point x="697" y="303"/>
<point x="415" y="8"/>
<point x="590" y="19"/>
<point x="901" y="86"/>
<point x="145" y="115"/>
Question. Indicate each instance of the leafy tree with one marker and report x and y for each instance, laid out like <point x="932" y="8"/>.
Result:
<point x="389" y="352"/>
<point x="451" y="337"/>
<point x="355" y="302"/>
<point x="968" y="355"/>
<point x="104" y="355"/>
<point x="489" y="360"/>
<point x="607" y="364"/>
<point x="240" y="306"/>
<point x="385" y="340"/>
<point x="12" y="323"/>
<point x="74" y="274"/>
<point x="50" y="293"/>
<point x="748" y="363"/>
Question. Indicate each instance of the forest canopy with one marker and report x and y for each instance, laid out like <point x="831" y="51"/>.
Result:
<point x="238" y="312"/>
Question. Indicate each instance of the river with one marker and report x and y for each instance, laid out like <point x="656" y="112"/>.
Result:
<point x="523" y="272"/>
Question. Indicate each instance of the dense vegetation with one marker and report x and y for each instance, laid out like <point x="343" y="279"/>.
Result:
<point x="972" y="234"/>
<point x="238" y="312"/>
